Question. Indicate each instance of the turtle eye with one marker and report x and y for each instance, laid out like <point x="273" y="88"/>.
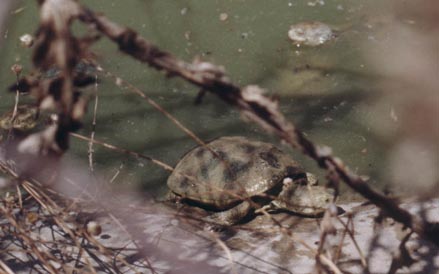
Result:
<point x="287" y="181"/>
<point x="300" y="179"/>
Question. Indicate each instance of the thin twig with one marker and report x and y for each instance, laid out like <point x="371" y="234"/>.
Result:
<point x="93" y="130"/>
<point x="17" y="70"/>
<point x="42" y="256"/>
<point x="226" y="249"/>
<point x="154" y="104"/>
<point x="352" y="236"/>
<point x="125" y="151"/>
<point x="164" y="166"/>
<point x="330" y="264"/>
<point x="111" y="215"/>
<point x="116" y="174"/>
<point x="6" y="268"/>
<point x="52" y="208"/>
<point x="17" y="97"/>
<point x="20" y="198"/>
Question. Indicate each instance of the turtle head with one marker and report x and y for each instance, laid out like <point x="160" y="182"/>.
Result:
<point x="304" y="196"/>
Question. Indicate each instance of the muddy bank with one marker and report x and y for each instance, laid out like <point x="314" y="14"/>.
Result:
<point x="158" y="238"/>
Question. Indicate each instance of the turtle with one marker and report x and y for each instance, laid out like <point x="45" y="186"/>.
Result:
<point x="312" y="33"/>
<point x="25" y="118"/>
<point x="233" y="177"/>
<point x="28" y="119"/>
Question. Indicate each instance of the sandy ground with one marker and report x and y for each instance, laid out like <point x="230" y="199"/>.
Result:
<point x="174" y="241"/>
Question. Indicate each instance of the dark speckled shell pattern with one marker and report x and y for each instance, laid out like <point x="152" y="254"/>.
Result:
<point x="240" y="168"/>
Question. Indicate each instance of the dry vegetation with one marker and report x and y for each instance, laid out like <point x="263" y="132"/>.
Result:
<point x="72" y="247"/>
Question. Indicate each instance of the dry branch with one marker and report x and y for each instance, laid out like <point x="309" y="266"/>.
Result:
<point x="56" y="51"/>
<point x="255" y="106"/>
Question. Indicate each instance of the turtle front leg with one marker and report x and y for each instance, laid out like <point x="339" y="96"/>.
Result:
<point x="231" y="216"/>
<point x="172" y="197"/>
<point x="267" y="208"/>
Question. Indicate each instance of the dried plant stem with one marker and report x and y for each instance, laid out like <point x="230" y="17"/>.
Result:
<point x="125" y="151"/>
<point x="174" y="120"/>
<point x="226" y="249"/>
<point x="5" y="268"/>
<point x="158" y="163"/>
<point x="350" y="232"/>
<point x="17" y="99"/>
<point x="41" y="255"/>
<point x="158" y="107"/>
<point x="15" y="109"/>
<point x="317" y="253"/>
<point x="116" y="174"/>
<point x="330" y="264"/>
<point x="14" y="112"/>
<point x="56" y="211"/>
<point x="105" y="251"/>
<point x="20" y="197"/>
<point x="116" y="221"/>
<point x="47" y="203"/>
<point x="93" y="130"/>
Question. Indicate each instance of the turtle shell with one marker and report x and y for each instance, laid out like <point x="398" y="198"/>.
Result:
<point x="229" y="170"/>
<point x="25" y="119"/>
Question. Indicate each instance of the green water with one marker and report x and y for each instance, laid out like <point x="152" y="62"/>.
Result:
<point x="332" y="105"/>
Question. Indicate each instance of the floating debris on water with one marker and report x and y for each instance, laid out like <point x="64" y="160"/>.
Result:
<point x="27" y="40"/>
<point x="393" y="115"/>
<point x="223" y="16"/>
<point x="16" y="68"/>
<point x="327" y="119"/>
<point x="310" y="33"/>
<point x="315" y="3"/>
<point x="187" y="35"/>
<point x="19" y="10"/>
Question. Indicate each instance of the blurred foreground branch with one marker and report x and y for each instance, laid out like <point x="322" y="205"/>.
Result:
<point x="254" y="105"/>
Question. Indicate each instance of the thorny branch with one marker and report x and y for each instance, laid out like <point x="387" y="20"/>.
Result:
<point x="255" y="106"/>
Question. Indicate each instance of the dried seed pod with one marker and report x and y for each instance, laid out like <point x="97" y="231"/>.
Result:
<point x="27" y="40"/>
<point x="32" y="217"/>
<point x="94" y="228"/>
<point x="17" y="69"/>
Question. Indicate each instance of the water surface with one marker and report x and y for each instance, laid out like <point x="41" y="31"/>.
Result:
<point x="325" y="90"/>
